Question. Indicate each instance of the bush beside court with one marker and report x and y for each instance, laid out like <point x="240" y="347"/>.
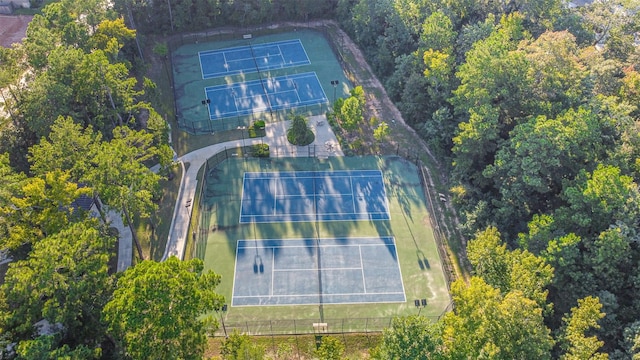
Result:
<point x="299" y="133"/>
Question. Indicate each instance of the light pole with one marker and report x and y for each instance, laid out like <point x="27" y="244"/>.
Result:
<point x="335" y="84"/>
<point x="241" y="128"/>
<point x="420" y="304"/>
<point x="224" y="328"/>
<point x="206" y="103"/>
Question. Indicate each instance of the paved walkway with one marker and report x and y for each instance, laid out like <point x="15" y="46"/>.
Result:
<point x="326" y="145"/>
<point x="125" y="240"/>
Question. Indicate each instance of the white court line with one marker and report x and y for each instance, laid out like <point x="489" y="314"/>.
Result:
<point x="239" y="49"/>
<point x="235" y="272"/>
<point x="315" y="269"/>
<point x="305" y="51"/>
<point x="235" y="99"/>
<point x="353" y="196"/>
<point x="273" y="270"/>
<point x="322" y="246"/>
<point x="244" y="178"/>
<point x="323" y="294"/>
<point x="275" y="197"/>
<point x="281" y="54"/>
<point x="201" y="67"/>
<point x="364" y="282"/>
<point x="226" y="63"/>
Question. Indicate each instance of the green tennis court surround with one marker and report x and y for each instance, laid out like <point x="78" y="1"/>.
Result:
<point x="223" y="85"/>
<point x="325" y="268"/>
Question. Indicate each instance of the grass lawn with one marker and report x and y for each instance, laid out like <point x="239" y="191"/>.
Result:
<point x="153" y="232"/>
<point x="416" y="248"/>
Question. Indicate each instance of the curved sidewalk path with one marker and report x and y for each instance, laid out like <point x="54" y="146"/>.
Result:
<point x="326" y="145"/>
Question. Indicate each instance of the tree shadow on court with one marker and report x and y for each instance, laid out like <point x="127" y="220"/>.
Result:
<point x="403" y="183"/>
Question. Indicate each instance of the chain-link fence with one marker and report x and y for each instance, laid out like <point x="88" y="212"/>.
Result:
<point x="195" y="119"/>
<point x="447" y="266"/>
<point x="305" y="326"/>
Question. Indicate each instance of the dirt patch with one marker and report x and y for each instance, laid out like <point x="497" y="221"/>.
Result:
<point x="13" y="29"/>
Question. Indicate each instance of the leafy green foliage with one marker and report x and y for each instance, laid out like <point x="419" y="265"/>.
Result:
<point x="156" y="307"/>
<point x="45" y="347"/>
<point x="68" y="147"/>
<point x="509" y="270"/>
<point x="122" y="179"/>
<point x="605" y="198"/>
<point x="577" y="344"/>
<point x="65" y="281"/>
<point x="260" y="150"/>
<point x="381" y="131"/>
<point x="40" y="208"/>
<point x="487" y="324"/>
<point x="299" y="133"/>
<point x="410" y="337"/>
<point x="239" y="346"/>
<point x="350" y="111"/>
<point x="331" y="348"/>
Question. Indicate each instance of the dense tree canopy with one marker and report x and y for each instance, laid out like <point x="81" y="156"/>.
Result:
<point x="155" y="309"/>
<point x="531" y="106"/>
<point x="79" y="125"/>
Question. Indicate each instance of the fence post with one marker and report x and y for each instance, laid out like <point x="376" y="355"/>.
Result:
<point x="295" y="330"/>
<point x="273" y="339"/>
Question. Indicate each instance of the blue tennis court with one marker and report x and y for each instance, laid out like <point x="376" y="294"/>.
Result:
<point x="270" y="94"/>
<point x="313" y="196"/>
<point x="317" y="271"/>
<point x="252" y="58"/>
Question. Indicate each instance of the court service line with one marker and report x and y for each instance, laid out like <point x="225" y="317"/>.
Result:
<point x="324" y="294"/>
<point x="235" y="99"/>
<point x="201" y="67"/>
<point x="353" y="195"/>
<point x="273" y="248"/>
<point x="226" y="62"/>
<point x="314" y="269"/>
<point x="273" y="271"/>
<point x="275" y="196"/>
<point x="281" y="54"/>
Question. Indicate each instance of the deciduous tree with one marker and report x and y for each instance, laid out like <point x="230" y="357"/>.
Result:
<point x="41" y="208"/>
<point x="121" y="178"/>
<point x="410" y="337"/>
<point x="486" y="324"/>
<point x="65" y="281"/>
<point x="156" y="309"/>
<point x="68" y="147"/>
<point x="576" y="343"/>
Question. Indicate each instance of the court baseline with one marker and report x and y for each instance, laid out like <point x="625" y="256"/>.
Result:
<point x="285" y="272"/>
<point x="313" y="196"/>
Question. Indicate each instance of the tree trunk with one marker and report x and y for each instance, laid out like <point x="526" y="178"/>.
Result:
<point x="133" y="233"/>
<point x="113" y="105"/>
<point x="7" y="106"/>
